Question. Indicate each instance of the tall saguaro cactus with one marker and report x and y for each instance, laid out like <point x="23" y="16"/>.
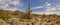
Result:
<point x="28" y="11"/>
<point x="29" y="14"/>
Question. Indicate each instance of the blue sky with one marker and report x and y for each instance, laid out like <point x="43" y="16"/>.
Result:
<point x="38" y="6"/>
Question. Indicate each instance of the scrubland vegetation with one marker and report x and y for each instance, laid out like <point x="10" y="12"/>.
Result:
<point x="21" y="18"/>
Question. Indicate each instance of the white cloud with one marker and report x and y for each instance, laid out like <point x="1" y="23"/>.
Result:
<point x="46" y="13"/>
<point x="11" y="9"/>
<point x="47" y="4"/>
<point x="15" y="3"/>
<point x="37" y="7"/>
<point x="49" y="8"/>
<point x="58" y="8"/>
<point x="5" y="3"/>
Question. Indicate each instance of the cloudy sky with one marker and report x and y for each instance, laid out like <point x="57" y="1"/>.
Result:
<point x="37" y="6"/>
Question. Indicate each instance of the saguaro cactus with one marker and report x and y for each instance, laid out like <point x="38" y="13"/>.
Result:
<point x="28" y="11"/>
<point x="27" y="15"/>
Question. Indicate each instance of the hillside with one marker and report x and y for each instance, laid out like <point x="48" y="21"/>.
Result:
<point x="18" y="18"/>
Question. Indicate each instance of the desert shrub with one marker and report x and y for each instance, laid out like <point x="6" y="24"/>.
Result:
<point x="52" y="24"/>
<point x="48" y="21"/>
<point x="2" y="22"/>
